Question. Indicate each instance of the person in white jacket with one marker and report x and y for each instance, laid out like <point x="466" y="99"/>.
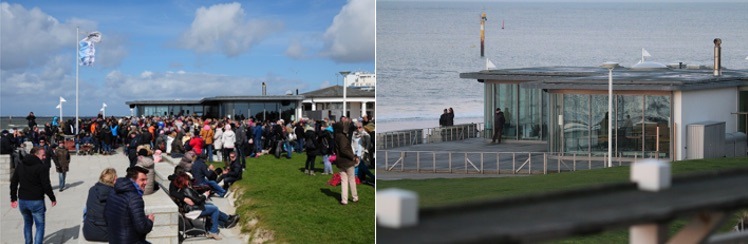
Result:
<point x="218" y="141"/>
<point x="228" y="138"/>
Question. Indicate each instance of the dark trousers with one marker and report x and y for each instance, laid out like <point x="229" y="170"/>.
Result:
<point x="497" y="134"/>
<point x="310" y="161"/>
<point x="228" y="181"/>
<point x="364" y="171"/>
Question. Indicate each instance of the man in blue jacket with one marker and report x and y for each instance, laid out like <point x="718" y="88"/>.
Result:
<point x="124" y="210"/>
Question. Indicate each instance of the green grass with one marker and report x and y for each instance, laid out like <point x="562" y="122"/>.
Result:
<point x="440" y="192"/>
<point x="299" y="208"/>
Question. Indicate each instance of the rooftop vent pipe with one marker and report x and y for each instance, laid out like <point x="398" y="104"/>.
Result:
<point x="717" y="57"/>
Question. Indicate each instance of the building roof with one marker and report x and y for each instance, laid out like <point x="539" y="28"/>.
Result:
<point x="594" y="78"/>
<point x="217" y="98"/>
<point x="337" y="91"/>
<point x="254" y="98"/>
<point x="163" y="102"/>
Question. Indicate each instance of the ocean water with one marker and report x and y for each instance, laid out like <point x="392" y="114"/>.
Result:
<point x="423" y="46"/>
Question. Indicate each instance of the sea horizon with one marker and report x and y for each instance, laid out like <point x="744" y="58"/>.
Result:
<point x="422" y="47"/>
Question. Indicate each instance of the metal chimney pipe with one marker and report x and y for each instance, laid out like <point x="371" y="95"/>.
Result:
<point x="264" y="89"/>
<point x="717" y="57"/>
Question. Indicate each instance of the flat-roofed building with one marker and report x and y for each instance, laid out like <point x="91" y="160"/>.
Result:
<point x="328" y="102"/>
<point x="286" y="107"/>
<point x="567" y="106"/>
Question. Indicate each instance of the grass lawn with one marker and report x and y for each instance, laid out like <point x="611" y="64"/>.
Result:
<point x="299" y="208"/>
<point x="439" y="192"/>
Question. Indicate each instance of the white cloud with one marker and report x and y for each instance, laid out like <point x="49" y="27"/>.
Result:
<point x="295" y="50"/>
<point x="38" y="61"/>
<point x="224" y="28"/>
<point x="186" y="85"/>
<point x="351" y="36"/>
<point x="325" y="84"/>
<point x="145" y="75"/>
<point x="29" y="36"/>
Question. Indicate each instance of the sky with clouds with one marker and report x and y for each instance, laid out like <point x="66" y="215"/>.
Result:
<point x="153" y="50"/>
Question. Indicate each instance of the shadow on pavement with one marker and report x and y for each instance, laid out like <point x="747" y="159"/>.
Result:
<point x="68" y="234"/>
<point x="68" y="185"/>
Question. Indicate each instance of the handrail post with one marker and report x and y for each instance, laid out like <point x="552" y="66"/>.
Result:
<point x="386" y="160"/>
<point x="481" y="163"/>
<point x="450" y="162"/>
<point x="402" y="164"/>
<point x="545" y="163"/>
<point x="466" y="159"/>
<point x="514" y="163"/>
<point x="418" y="162"/>
<point x="559" y="163"/>
<point x="574" y="157"/>
<point x="434" y="160"/>
<point x="529" y="168"/>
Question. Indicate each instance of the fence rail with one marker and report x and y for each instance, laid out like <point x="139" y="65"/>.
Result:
<point x="493" y="162"/>
<point x="404" y="138"/>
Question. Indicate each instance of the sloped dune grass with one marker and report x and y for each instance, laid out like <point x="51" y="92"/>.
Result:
<point x="440" y="192"/>
<point x="298" y="208"/>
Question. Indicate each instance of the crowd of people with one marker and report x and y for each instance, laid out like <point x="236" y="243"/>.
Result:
<point x="197" y="141"/>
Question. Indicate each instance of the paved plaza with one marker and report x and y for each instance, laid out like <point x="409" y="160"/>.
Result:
<point x="64" y="220"/>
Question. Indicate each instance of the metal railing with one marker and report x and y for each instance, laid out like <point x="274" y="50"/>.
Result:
<point x="404" y="138"/>
<point x="495" y="162"/>
<point x="452" y="133"/>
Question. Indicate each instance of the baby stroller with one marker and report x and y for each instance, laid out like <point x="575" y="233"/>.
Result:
<point x="86" y="149"/>
<point x="191" y="227"/>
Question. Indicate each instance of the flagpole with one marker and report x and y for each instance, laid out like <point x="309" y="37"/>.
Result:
<point x="77" y="126"/>
<point x="642" y="55"/>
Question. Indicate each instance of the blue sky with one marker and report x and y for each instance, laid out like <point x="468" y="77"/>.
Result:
<point x="176" y="50"/>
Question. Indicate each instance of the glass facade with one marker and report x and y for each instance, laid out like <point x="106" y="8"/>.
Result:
<point x="259" y="110"/>
<point x="263" y="110"/>
<point x="641" y="125"/>
<point x="525" y="110"/>
<point x="169" y="110"/>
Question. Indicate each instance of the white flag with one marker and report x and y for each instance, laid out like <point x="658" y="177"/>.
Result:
<point x="645" y="53"/>
<point x="86" y="48"/>
<point x="58" y="106"/>
<point x="104" y="105"/>
<point x="490" y="65"/>
<point x="62" y="100"/>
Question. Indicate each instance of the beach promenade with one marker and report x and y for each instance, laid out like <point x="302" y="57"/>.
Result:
<point x="63" y="221"/>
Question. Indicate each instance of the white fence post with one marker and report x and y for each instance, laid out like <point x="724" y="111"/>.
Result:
<point x="650" y="175"/>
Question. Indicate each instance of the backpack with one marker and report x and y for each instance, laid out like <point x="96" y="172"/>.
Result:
<point x="187" y="146"/>
<point x="311" y="141"/>
<point x="324" y="142"/>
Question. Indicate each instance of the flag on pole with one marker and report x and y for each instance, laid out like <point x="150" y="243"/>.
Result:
<point x="62" y="100"/>
<point x="104" y="105"/>
<point x="490" y="65"/>
<point x="86" y="48"/>
<point x="645" y="53"/>
<point x="58" y="106"/>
